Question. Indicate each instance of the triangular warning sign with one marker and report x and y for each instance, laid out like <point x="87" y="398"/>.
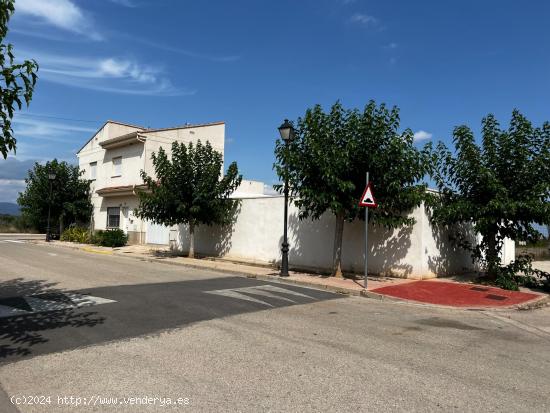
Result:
<point x="367" y="199"/>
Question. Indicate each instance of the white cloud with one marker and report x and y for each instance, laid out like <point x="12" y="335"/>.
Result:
<point x="422" y="135"/>
<point x="107" y="74"/>
<point x="63" y="14"/>
<point x="185" y="52"/>
<point x="10" y="188"/>
<point x="45" y="130"/>
<point x="364" y="19"/>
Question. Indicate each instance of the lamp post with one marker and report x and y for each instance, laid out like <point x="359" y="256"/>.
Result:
<point x="286" y="131"/>
<point x="51" y="178"/>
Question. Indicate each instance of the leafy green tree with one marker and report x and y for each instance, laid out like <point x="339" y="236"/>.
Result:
<point x="18" y="81"/>
<point x="70" y="196"/>
<point x="501" y="185"/>
<point x="189" y="188"/>
<point x="330" y="155"/>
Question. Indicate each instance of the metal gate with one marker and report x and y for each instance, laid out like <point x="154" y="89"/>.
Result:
<point x="157" y="234"/>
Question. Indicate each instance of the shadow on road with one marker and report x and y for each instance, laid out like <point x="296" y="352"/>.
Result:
<point x="31" y="323"/>
<point x="20" y="333"/>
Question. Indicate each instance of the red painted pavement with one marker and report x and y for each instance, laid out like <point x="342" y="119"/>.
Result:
<point x="455" y="294"/>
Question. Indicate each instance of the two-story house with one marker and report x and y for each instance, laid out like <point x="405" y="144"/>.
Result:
<point x="113" y="158"/>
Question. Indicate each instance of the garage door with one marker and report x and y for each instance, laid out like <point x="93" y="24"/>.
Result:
<point x="157" y="234"/>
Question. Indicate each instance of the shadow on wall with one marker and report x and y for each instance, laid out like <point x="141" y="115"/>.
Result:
<point x="18" y="334"/>
<point x="449" y="258"/>
<point x="210" y="240"/>
<point x="312" y="244"/>
<point x="388" y="249"/>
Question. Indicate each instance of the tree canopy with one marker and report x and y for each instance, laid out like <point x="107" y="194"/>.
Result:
<point x="70" y="196"/>
<point x="17" y="81"/>
<point x="188" y="188"/>
<point x="501" y="185"/>
<point x="326" y="164"/>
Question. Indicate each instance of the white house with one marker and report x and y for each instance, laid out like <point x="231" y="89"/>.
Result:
<point x="113" y="159"/>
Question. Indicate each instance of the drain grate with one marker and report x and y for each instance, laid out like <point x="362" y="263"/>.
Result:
<point x="496" y="297"/>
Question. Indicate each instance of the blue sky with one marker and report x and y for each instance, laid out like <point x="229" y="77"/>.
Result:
<point x="161" y="63"/>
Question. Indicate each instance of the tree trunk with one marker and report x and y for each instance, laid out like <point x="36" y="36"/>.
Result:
<point x="493" y="261"/>
<point x="337" y="253"/>
<point x="61" y="225"/>
<point x="191" y="240"/>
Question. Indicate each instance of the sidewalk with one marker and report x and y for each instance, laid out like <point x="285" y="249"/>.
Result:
<point x="440" y="292"/>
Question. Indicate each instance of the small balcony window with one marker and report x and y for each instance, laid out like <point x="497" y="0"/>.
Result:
<point x="117" y="166"/>
<point x="93" y="170"/>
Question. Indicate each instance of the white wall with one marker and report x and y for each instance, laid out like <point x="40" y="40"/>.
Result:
<point x="128" y="222"/>
<point x="256" y="234"/>
<point x="215" y="134"/>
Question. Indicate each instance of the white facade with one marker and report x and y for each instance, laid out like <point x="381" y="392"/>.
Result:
<point x="113" y="159"/>
<point x="420" y="251"/>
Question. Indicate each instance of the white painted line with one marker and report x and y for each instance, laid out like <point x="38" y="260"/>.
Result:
<point x="83" y="300"/>
<point x="15" y="241"/>
<point x="237" y="295"/>
<point x="39" y="305"/>
<point x="53" y="254"/>
<point x="284" y="291"/>
<point x="6" y="311"/>
<point x="261" y="292"/>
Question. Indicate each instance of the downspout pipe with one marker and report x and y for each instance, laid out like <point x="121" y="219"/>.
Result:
<point x="143" y="139"/>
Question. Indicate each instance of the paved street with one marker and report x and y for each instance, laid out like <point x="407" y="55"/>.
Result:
<point x="94" y="326"/>
<point x="19" y="237"/>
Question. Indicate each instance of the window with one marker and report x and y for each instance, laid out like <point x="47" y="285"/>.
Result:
<point x="117" y="166"/>
<point x="113" y="217"/>
<point x="93" y="170"/>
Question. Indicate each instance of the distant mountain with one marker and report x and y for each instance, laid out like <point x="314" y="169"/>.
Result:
<point x="9" y="208"/>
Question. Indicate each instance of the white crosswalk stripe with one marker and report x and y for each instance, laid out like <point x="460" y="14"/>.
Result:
<point x="40" y="304"/>
<point x="268" y="291"/>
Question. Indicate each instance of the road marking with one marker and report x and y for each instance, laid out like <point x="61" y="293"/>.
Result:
<point x="269" y="291"/>
<point x="237" y="295"/>
<point x="96" y="251"/>
<point x="53" y="254"/>
<point x="15" y="241"/>
<point x="50" y="302"/>
<point x="284" y="291"/>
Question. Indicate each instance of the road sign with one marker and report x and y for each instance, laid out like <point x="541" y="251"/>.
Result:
<point x="367" y="199"/>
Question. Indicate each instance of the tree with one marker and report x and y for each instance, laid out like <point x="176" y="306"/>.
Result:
<point x="501" y="185"/>
<point x="70" y="196"/>
<point x="189" y="188"/>
<point x="330" y="155"/>
<point x="18" y="81"/>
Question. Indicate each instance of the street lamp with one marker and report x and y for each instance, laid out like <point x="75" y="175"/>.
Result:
<point x="51" y="178"/>
<point x="286" y="130"/>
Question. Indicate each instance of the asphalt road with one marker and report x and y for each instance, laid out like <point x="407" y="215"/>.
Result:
<point x="98" y="327"/>
<point x="6" y="237"/>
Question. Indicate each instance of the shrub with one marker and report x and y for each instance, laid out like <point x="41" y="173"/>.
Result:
<point x="521" y="273"/>
<point x="110" y="238"/>
<point x="76" y="234"/>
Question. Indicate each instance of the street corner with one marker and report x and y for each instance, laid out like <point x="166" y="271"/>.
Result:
<point x="460" y="295"/>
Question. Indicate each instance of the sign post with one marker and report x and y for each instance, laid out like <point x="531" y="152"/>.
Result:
<point x="366" y="240"/>
<point x="367" y="201"/>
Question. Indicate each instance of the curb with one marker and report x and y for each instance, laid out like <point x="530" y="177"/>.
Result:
<point x="535" y="303"/>
<point x="265" y="277"/>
